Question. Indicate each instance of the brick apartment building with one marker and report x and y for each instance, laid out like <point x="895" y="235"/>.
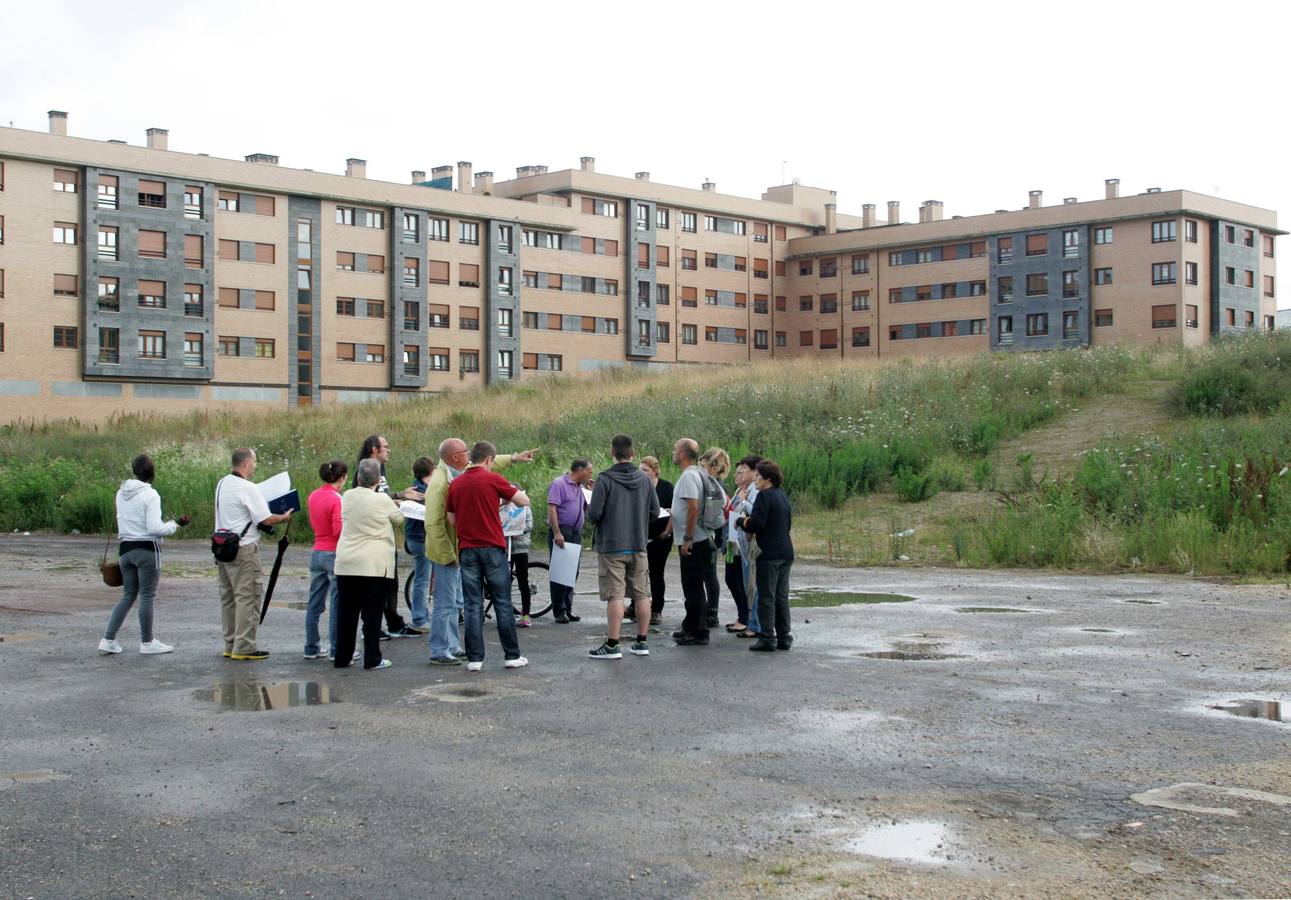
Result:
<point x="137" y="278"/>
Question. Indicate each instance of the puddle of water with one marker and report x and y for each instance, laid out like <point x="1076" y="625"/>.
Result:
<point x="1144" y="602"/>
<point x="462" y="693"/>
<point x="1100" y="630"/>
<point x="1189" y="796"/>
<point x="839" y="598"/>
<point x="250" y="696"/>
<point x="913" y="651"/>
<point x="1252" y="709"/>
<point x="990" y="609"/>
<point x="290" y="604"/>
<point x="15" y="638"/>
<point x="918" y="842"/>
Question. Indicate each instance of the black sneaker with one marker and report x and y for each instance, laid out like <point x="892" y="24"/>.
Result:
<point x="762" y="645"/>
<point x="384" y="636"/>
<point x="562" y="620"/>
<point x="573" y="618"/>
<point x="605" y="651"/>
<point x="712" y="621"/>
<point x="690" y="640"/>
<point x="254" y="654"/>
<point x="405" y="631"/>
<point x="784" y="644"/>
<point x="445" y="661"/>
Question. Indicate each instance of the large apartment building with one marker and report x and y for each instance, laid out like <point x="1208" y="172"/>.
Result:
<point x="141" y="279"/>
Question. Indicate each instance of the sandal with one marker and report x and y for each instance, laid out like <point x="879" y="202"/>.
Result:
<point x="747" y="633"/>
<point x="733" y="627"/>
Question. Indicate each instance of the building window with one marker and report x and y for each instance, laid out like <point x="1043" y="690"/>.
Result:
<point x="689" y="222"/>
<point x="1248" y="238"/>
<point x="828" y="267"/>
<point x="1037" y="244"/>
<point x="861" y="264"/>
<point x="109" y="299"/>
<point x="152" y="294"/>
<point x="1005" y="329"/>
<point x="65" y="180"/>
<point x="265" y="349"/>
<point x="64" y="233"/>
<point x="193" y="350"/>
<point x="1163" y="232"/>
<point x="1004" y="250"/>
<point x="411" y="272"/>
<point x="529" y="320"/>
<point x="1163" y="316"/>
<point x="1230" y="234"/>
<point x="1163" y="273"/>
<point x="861" y="336"/>
<point x="504" y="322"/>
<point x="760" y="231"/>
<point x="152" y="345"/>
<point x="710" y="223"/>
<point x="551" y="241"/>
<point x="1190" y="230"/>
<point x="1268" y="245"/>
<point x="1230" y="275"/>
<point x="411" y="359"/>
<point x="805" y="303"/>
<point x="65" y="286"/>
<point x="1037" y="284"/>
<point x="689" y="260"/>
<point x="468" y="232"/>
<point x="468" y="361"/>
<point x="504" y="363"/>
<point x="152" y="194"/>
<point x="1103" y="235"/>
<point x="410" y="228"/>
<point x="1190" y="272"/>
<point x="689" y="334"/>
<point x="107" y="192"/>
<point x="781" y="337"/>
<point x="1190" y="315"/>
<point x="437" y="230"/>
<point x="663" y="294"/>
<point x="65" y="337"/>
<point x="373" y="353"/>
<point x="374" y="309"/>
<point x="344" y="214"/>
<point x="193" y="305"/>
<point x="1102" y="318"/>
<point x="804" y="266"/>
<point x="152" y="244"/>
<point x="371" y="218"/>
<point x="345" y="306"/>
<point x="1037" y="324"/>
<point x="643" y="217"/>
<point x="977" y="326"/>
<point x="860" y="301"/>
<point x="663" y="332"/>
<point x="109" y="345"/>
<point x="437" y="359"/>
<point x="1270" y="286"/>
<point x="1070" y="325"/>
<point x="1004" y="289"/>
<point x="1071" y="243"/>
<point x="608" y="208"/>
<point x="643" y="332"/>
<point x="661" y="218"/>
<point x="710" y="260"/>
<point x="505" y="237"/>
<point x="468" y="275"/>
<point x="828" y="304"/>
<point x="411" y="316"/>
<point x="345" y="352"/>
<point x="228" y="201"/>
<point x="1070" y="285"/>
<point x="1103" y="276"/>
<point x="228" y="346"/>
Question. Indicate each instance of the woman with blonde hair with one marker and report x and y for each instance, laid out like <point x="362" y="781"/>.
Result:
<point x="660" y="543"/>
<point x="716" y="462"/>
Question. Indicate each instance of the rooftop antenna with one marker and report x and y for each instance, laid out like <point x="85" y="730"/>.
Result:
<point x="783" y="165"/>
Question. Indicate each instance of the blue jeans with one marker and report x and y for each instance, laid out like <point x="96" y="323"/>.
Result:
<point x="322" y="595"/>
<point x="480" y="565"/>
<point x="445" y="639"/>
<point x="420" y="582"/>
<point x="751" y="587"/>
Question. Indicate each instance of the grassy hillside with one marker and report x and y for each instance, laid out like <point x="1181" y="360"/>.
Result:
<point x="869" y="451"/>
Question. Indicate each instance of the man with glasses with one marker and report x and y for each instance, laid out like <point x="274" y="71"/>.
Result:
<point x="441" y="548"/>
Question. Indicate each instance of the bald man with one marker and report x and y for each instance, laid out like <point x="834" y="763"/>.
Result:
<point x="441" y="549"/>
<point x="694" y="544"/>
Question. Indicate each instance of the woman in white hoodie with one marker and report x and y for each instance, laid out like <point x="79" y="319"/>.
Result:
<point x="140" y="530"/>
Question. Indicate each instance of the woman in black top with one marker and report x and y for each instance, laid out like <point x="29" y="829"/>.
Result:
<point x="771" y="520"/>
<point x="660" y="543"/>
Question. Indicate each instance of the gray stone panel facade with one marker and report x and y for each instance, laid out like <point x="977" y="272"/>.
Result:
<point x="417" y="295"/>
<point x="1052" y="264"/>
<point x="129" y="268"/>
<point x="640" y="307"/>
<point x="301" y="300"/>
<point x="496" y="258"/>
<point x="1237" y="297"/>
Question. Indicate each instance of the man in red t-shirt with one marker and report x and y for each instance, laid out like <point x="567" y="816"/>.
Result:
<point x="472" y="509"/>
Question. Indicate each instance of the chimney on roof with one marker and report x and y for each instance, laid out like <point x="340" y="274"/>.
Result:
<point x="526" y="171"/>
<point x="1113" y="186"/>
<point x="57" y="122"/>
<point x="356" y="168"/>
<point x="267" y="158"/>
<point x="936" y="210"/>
<point x="643" y="176"/>
<point x="484" y="182"/>
<point x="439" y="173"/>
<point x="710" y="186"/>
<point x="831" y="218"/>
<point x="418" y="176"/>
<point x="587" y="163"/>
<point x="923" y="213"/>
<point x="1068" y="199"/>
<point x="1154" y="190"/>
<point x="894" y="212"/>
<point x="1037" y="199"/>
<point x="158" y="139"/>
<point x="867" y="215"/>
<point x="464" y="177"/>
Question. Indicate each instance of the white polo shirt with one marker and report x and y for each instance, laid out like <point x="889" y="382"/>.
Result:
<point x="237" y="502"/>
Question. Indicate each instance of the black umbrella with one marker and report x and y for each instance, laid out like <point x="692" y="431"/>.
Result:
<point x="273" y="573"/>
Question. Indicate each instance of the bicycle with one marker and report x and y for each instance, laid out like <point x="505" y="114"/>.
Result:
<point x="539" y="591"/>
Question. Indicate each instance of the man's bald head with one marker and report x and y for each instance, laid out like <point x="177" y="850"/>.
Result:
<point x="451" y="447"/>
<point x="685" y="451"/>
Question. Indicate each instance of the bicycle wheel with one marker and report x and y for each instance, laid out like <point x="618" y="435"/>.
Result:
<point x="539" y="590"/>
<point x="407" y="591"/>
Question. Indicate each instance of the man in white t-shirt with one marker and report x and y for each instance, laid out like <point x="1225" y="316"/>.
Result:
<point x="239" y="507"/>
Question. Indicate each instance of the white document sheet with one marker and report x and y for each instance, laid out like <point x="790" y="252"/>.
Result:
<point x="411" y="509"/>
<point x="564" y="563"/>
<point x="275" y="487"/>
<point x="587" y="495"/>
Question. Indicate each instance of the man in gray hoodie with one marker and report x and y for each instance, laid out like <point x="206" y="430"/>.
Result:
<point x="623" y="505"/>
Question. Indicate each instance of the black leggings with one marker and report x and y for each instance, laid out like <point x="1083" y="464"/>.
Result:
<point x="521" y="563"/>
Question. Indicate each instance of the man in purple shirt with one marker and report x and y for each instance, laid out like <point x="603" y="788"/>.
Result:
<point x="566" y="505"/>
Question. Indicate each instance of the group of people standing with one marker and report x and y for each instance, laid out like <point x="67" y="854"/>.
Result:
<point x="453" y="531"/>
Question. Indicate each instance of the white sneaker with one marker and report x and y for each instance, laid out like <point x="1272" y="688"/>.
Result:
<point x="155" y="646"/>
<point x="106" y="646"/>
<point x="518" y="663"/>
<point x="474" y="666"/>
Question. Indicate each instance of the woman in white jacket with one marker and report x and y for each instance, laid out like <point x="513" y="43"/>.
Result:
<point x="140" y="530"/>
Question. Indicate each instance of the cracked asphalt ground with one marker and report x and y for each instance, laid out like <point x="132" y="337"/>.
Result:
<point x="1007" y="768"/>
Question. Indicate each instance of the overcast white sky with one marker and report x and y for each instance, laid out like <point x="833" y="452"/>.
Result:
<point x="973" y="104"/>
